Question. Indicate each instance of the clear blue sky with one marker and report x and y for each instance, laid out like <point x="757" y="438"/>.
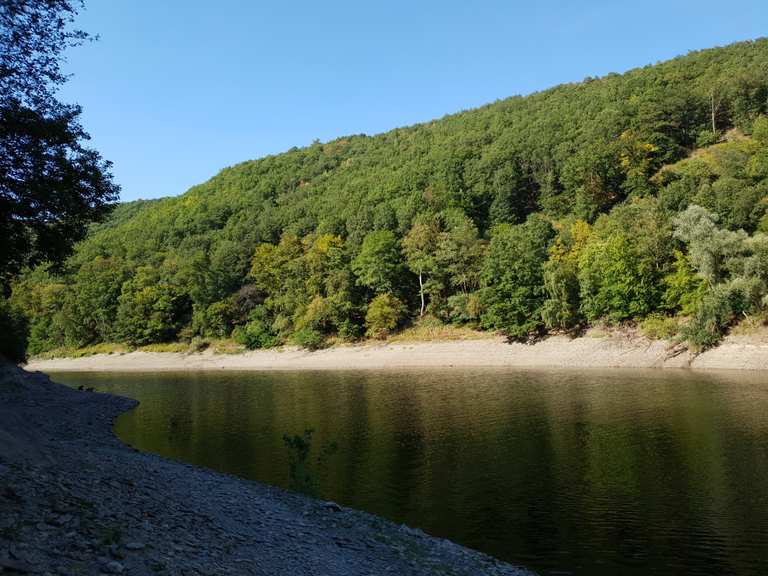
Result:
<point x="175" y="90"/>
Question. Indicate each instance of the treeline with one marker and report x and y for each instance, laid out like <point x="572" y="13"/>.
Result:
<point x="634" y="197"/>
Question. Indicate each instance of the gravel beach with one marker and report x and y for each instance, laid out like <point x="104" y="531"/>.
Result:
<point x="75" y="500"/>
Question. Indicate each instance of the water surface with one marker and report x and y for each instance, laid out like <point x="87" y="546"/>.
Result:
<point x="566" y="472"/>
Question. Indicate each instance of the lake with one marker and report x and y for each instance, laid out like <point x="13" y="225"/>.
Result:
<point x="565" y="472"/>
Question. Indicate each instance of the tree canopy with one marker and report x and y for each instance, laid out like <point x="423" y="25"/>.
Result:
<point x="51" y="184"/>
<point x="583" y="203"/>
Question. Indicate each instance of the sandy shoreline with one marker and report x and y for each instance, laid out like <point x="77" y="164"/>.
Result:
<point x="614" y="351"/>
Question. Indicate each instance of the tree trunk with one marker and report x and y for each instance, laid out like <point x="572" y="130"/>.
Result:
<point x="713" y="110"/>
<point x="421" y="293"/>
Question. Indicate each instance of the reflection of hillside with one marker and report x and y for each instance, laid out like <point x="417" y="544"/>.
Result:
<point x="551" y="469"/>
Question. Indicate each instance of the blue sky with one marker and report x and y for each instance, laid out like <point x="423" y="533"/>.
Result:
<point x="175" y="90"/>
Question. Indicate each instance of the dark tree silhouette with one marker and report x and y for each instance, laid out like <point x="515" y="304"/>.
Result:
<point x="51" y="185"/>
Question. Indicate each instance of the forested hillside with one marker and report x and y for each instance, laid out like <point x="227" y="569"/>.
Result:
<point x="634" y="197"/>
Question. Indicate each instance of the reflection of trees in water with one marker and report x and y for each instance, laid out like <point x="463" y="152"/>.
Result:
<point x="561" y="469"/>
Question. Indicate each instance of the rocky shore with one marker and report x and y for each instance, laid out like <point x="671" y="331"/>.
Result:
<point x="75" y="500"/>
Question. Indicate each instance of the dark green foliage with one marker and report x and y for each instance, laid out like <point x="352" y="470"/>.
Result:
<point x="622" y="264"/>
<point x="561" y="309"/>
<point x="257" y="332"/>
<point x="13" y="332"/>
<point x="683" y="288"/>
<point x="216" y="320"/>
<point x="91" y="311"/>
<point x="151" y="309"/>
<point x="463" y="308"/>
<point x="309" y="338"/>
<point x="513" y="291"/>
<point x="379" y="265"/>
<point x="51" y="185"/>
<point x="718" y="309"/>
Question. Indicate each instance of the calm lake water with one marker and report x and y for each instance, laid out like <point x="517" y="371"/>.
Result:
<point x="566" y="472"/>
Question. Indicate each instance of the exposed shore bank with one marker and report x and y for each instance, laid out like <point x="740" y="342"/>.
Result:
<point x="75" y="500"/>
<point x="591" y="351"/>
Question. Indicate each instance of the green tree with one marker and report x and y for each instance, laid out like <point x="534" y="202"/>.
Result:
<point x="419" y="247"/>
<point x="379" y="265"/>
<point x="513" y="291"/>
<point x="51" y="185"/>
<point x="385" y="312"/>
<point x="623" y="263"/>
<point x="562" y="308"/>
<point x="711" y="250"/>
<point x="151" y="308"/>
<point x="90" y="305"/>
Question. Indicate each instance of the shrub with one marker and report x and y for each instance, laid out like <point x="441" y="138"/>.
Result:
<point x="707" y="138"/>
<point x="683" y="288"/>
<point x="464" y="308"/>
<point x="198" y="344"/>
<point x="658" y="327"/>
<point x="561" y="308"/>
<point x="709" y="320"/>
<point x="718" y="309"/>
<point x="257" y="333"/>
<point x="215" y="320"/>
<point x="350" y="331"/>
<point x="384" y="315"/>
<point x="309" y="338"/>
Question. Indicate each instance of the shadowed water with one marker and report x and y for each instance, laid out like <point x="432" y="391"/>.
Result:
<point x="566" y="472"/>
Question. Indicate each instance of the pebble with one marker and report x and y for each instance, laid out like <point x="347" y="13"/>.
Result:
<point x="113" y="567"/>
<point x="134" y="546"/>
<point x="332" y="506"/>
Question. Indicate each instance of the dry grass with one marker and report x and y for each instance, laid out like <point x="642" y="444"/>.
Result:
<point x="659" y="327"/>
<point x="429" y="329"/>
<point x="177" y="347"/>
<point x="226" y="346"/>
<point x="72" y="352"/>
<point x="754" y="327"/>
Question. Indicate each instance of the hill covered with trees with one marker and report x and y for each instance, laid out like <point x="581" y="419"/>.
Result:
<point x="633" y="197"/>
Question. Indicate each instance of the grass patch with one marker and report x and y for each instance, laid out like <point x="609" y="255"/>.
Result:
<point x="658" y="327"/>
<point x="72" y="352"/>
<point x="218" y="346"/>
<point x="178" y="347"/>
<point x="430" y="328"/>
<point x="226" y="346"/>
<point x="753" y="326"/>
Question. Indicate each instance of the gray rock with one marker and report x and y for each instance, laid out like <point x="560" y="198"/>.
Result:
<point x="332" y="506"/>
<point x="113" y="567"/>
<point x="134" y="546"/>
